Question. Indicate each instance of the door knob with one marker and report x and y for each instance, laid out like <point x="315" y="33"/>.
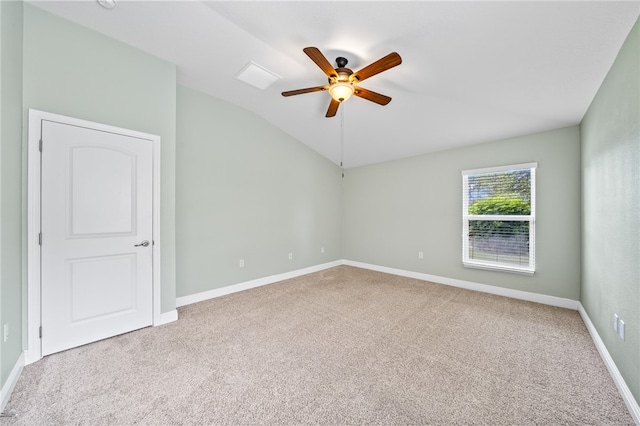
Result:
<point x="145" y="243"/>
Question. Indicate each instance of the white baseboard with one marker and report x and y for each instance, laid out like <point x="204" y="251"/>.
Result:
<point x="484" y="288"/>
<point x="167" y="317"/>
<point x="11" y="381"/>
<point x="625" y="392"/>
<point x="210" y="294"/>
<point x="500" y="291"/>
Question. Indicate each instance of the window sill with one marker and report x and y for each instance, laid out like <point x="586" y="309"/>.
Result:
<point x="499" y="268"/>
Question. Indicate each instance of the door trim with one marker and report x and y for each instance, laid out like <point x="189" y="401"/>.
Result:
<point x="34" y="348"/>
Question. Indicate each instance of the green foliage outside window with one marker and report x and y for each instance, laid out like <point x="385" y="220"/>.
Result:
<point x="501" y="205"/>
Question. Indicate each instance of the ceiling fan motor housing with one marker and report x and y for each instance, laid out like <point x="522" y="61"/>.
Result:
<point x="343" y="76"/>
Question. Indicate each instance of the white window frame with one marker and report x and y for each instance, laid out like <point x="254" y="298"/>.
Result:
<point x="531" y="218"/>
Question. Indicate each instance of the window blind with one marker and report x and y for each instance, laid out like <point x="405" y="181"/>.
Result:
<point x="498" y="218"/>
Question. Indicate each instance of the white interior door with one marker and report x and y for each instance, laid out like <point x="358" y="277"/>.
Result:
<point x="96" y="211"/>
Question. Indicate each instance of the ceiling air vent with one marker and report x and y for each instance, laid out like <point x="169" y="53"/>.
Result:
<point x="257" y="76"/>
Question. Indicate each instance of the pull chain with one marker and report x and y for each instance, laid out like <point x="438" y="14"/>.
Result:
<point x="342" y="139"/>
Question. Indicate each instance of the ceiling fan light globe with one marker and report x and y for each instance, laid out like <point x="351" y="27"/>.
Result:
<point x="341" y="91"/>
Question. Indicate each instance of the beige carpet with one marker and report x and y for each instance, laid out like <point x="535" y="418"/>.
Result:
<point x="342" y="346"/>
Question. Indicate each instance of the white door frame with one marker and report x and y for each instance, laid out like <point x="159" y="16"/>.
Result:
<point x="34" y="351"/>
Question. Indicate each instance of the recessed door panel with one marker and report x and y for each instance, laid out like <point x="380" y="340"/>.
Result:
<point x="101" y="286"/>
<point x="103" y="191"/>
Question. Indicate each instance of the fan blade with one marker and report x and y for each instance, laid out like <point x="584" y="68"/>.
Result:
<point x="307" y="90"/>
<point x="333" y="108"/>
<point x="371" y="96"/>
<point x="317" y="57"/>
<point x="383" y="64"/>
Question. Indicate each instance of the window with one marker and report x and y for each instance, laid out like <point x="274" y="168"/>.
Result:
<point x="498" y="218"/>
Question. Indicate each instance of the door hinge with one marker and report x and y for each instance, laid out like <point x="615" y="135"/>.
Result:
<point x="40" y="238"/>
<point x="40" y="332"/>
<point x="40" y="146"/>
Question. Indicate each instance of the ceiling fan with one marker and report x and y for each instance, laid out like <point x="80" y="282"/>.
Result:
<point x="343" y="82"/>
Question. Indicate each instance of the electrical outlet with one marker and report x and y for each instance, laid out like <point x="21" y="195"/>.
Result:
<point x="321" y="249"/>
<point x="615" y="322"/>
<point x="241" y="263"/>
<point x="420" y="255"/>
<point x="6" y="332"/>
<point x="621" y="329"/>
<point x="290" y="256"/>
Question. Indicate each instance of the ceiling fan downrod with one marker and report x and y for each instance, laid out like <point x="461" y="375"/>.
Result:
<point x="342" y="62"/>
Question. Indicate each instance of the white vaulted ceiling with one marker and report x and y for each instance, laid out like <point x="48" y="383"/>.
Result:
<point x="472" y="71"/>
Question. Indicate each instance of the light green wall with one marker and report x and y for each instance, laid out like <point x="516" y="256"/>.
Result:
<point x="394" y="210"/>
<point x="2" y="378"/>
<point x="611" y="209"/>
<point x="74" y="71"/>
<point x="10" y="188"/>
<point x="246" y="190"/>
